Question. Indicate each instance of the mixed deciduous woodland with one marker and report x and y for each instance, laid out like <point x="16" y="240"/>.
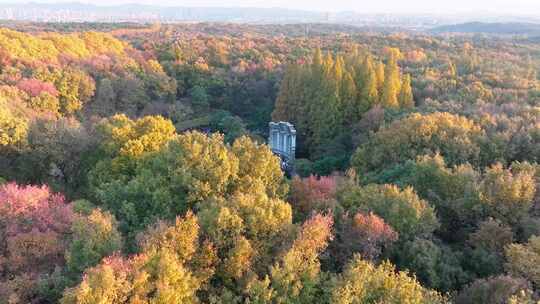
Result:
<point x="134" y="168"/>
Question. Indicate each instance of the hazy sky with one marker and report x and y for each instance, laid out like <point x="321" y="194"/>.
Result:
<point x="529" y="7"/>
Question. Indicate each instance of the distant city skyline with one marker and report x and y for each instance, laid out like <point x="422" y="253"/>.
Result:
<point x="501" y="7"/>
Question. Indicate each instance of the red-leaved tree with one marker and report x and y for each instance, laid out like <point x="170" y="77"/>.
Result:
<point x="34" y="223"/>
<point x="364" y="234"/>
<point x="312" y="194"/>
<point x="35" y="87"/>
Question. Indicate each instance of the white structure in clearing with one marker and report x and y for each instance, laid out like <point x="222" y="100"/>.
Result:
<point x="282" y="141"/>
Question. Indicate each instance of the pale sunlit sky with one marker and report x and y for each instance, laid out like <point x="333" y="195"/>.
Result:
<point x="528" y="7"/>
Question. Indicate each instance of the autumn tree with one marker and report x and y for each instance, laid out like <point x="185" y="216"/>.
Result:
<point x="403" y="210"/>
<point x="124" y="141"/>
<point x="497" y="290"/>
<point x="14" y="127"/>
<point x="147" y="155"/>
<point x="369" y="95"/>
<point x="523" y="259"/>
<point x="312" y="194"/>
<point x="75" y="87"/>
<point x="183" y="238"/>
<point x="258" y="169"/>
<point x="455" y="137"/>
<point x="35" y="223"/>
<point x="363" y="282"/>
<point x="160" y="274"/>
<point x="251" y="227"/>
<point x="392" y="86"/>
<point x="366" y="235"/>
<point x="508" y="195"/>
<point x="294" y="277"/>
<point x="107" y="282"/>
<point x="405" y="97"/>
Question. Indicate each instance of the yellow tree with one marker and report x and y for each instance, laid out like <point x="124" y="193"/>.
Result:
<point x="109" y="282"/>
<point x="379" y="73"/>
<point x="455" y="137"/>
<point x="259" y="169"/>
<point x="126" y="141"/>
<point x="369" y="94"/>
<point x="13" y="127"/>
<point x="363" y="282"/>
<point x="392" y="84"/>
<point x="171" y="268"/>
<point x="296" y="275"/>
<point x="508" y="195"/>
<point x="406" y="100"/>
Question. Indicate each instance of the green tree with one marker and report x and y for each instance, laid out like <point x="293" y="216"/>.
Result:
<point x="524" y="260"/>
<point x="289" y="102"/>
<point x="231" y="126"/>
<point x="486" y="257"/>
<point x="175" y="173"/>
<point x="454" y="192"/>
<point x="199" y="97"/>
<point x="94" y="236"/>
<point x="349" y="107"/>
<point x="104" y="103"/>
<point x="57" y="154"/>
<point x="435" y="265"/>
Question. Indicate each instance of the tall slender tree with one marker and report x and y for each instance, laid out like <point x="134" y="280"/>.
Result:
<point x="392" y="84"/>
<point x="369" y="94"/>
<point x="406" y="100"/>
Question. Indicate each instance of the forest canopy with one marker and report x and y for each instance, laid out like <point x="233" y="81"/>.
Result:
<point x="134" y="166"/>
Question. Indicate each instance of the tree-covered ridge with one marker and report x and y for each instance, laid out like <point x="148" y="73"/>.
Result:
<point x="50" y="47"/>
<point x="417" y="173"/>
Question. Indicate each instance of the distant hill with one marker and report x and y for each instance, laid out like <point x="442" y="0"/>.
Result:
<point x="78" y="12"/>
<point x="530" y="29"/>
